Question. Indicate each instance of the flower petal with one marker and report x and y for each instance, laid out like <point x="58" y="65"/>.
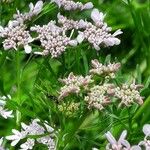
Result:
<point x="123" y="135"/>
<point x="73" y="43"/>
<point x="146" y="129"/>
<point x="80" y="37"/>
<point x="88" y="5"/>
<point x="136" y="147"/>
<point x="110" y="138"/>
<point x="38" y="7"/>
<point x="27" y="49"/>
<point x="118" y="32"/>
<point x="97" y="16"/>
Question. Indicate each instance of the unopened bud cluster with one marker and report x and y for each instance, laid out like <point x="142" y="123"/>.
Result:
<point x="104" y="70"/>
<point x="69" y="109"/>
<point x="97" y="95"/>
<point x="33" y="129"/>
<point x="71" y="5"/>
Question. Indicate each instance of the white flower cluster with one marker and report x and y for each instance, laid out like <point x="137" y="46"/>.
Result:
<point x="68" y="24"/>
<point x="96" y="34"/>
<point x="34" y="132"/>
<point x="53" y="39"/>
<point x="129" y="94"/>
<point x="71" y="5"/>
<point x="98" y="96"/>
<point x="99" y="33"/>
<point x="106" y="70"/>
<point x="74" y="84"/>
<point x="4" y="112"/>
<point x="123" y="144"/>
<point x="15" y="33"/>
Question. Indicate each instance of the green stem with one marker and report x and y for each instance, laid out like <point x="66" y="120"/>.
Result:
<point x="18" y="75"/>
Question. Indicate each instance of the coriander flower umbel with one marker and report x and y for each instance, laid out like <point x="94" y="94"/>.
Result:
<point x="16" y="35"/>
<point x="53" y="39"/>
<point x="129" y="94"/>
<point x="106" y="70"/>
<point x="71" y="5"/>
<point x="33" y="129"/>
<point x="73" y="84"/>
<point x="98" y="96"/>
<point x="98" y="33"/>
<point x="5" y="113"/>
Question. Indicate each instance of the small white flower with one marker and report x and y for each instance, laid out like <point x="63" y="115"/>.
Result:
<point x="37" y="8"/>
<point x="97" y="16"/>
<point x="117" y="145"/>
<point x="16" y="137"/>
<point x="146" y="129"/>
<point x="80" y="37"/>
<point x="27" y="49"/>
<point x="34" y="128"/>
<point x="5" y="113"/>
<point x="29" y="144"/>
<point x="146" y="141"/>
<point x="12" y="24"/>
<point x="88" y="5"/>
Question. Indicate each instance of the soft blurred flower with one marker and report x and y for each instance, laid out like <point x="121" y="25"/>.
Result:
<point x="146" y="141"/>
<point x="34" y="128"/>
<point x="121" y="144"/>
<point x="5" y="113"/>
